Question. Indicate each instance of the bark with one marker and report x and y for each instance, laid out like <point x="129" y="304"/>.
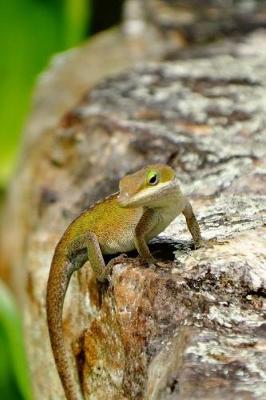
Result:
<point x="193" y="328"/>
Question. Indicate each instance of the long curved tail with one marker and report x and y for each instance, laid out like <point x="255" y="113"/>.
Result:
<point x="59" y="277"/>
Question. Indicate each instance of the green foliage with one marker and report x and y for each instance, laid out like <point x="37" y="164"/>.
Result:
<point x="14" y="380"/>
<point x="31" y="31"/>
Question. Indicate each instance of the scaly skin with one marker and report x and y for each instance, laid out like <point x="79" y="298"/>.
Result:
<point x="145" y="205"/>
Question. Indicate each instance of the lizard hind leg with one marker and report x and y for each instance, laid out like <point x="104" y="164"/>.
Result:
<point x="96" y="258"/>
<point x="89" y="245"/>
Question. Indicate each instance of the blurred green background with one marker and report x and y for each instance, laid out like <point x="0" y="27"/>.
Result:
<point x="31" y="31"/>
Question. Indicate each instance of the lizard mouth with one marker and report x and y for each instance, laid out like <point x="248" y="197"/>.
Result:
<point x="123" y="199"/>
<point x="149" y="195"/>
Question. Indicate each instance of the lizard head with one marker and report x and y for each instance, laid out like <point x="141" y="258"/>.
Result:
<point x="150" y="186"/>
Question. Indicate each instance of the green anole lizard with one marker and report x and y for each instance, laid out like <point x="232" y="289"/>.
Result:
<point x="146" y="203"/>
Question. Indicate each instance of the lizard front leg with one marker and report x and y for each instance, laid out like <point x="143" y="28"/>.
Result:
<point x="193" y="225"/>
<point x="145" y="225"/>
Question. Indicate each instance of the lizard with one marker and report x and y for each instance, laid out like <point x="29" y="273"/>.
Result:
<point x="147" y="201"/>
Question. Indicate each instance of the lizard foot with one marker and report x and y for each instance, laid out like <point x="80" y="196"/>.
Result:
<point x="150" y="262"/>
<point x="210" y="243"/>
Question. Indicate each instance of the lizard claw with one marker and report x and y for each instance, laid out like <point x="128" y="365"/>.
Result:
<point x="209" y="243"/>
<point x="200" y="243"/>
<point x="151" y="262"/>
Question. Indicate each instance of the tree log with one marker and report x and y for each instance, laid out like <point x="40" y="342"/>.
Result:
<point x="193" y="328"/>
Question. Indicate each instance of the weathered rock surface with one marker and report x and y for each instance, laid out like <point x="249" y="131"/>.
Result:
<point x="209" y="21"/>
<point x="194" y="327"/>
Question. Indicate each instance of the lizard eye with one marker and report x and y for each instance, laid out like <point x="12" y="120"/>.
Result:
<point x="153" y="179"/>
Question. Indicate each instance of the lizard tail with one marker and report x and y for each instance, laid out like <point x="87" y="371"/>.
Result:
<point x="59" y="277"/>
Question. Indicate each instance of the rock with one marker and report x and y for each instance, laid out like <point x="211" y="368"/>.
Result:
<point x="193" y="327"/>
<point x="213" y="19"/>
